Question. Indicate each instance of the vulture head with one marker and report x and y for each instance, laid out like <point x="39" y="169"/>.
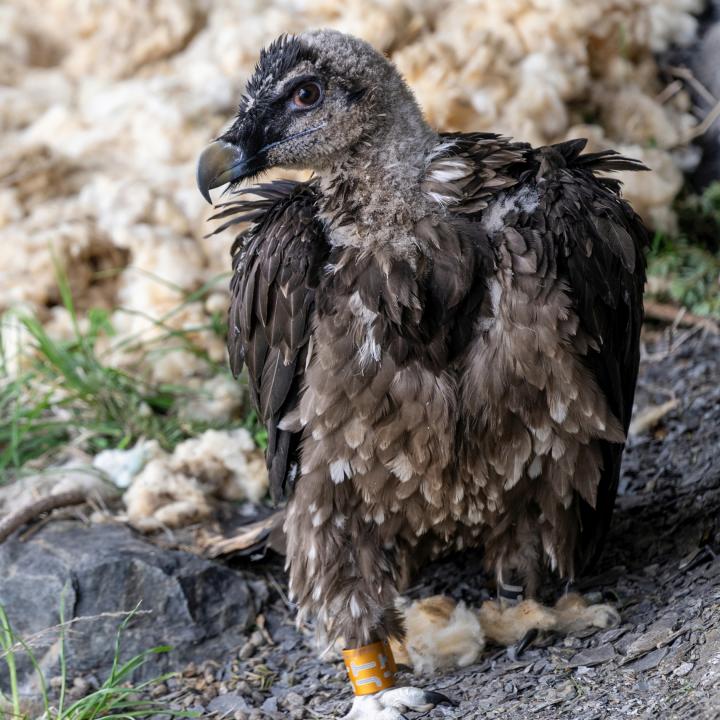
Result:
<point x="314" y="101"/>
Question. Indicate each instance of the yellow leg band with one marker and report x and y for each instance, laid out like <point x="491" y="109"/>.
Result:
<point x="371" y="668"/>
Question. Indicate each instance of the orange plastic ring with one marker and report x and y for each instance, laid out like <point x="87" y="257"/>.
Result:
<point x="371" y="668"/>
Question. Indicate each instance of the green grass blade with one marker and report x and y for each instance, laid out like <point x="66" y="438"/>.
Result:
<point x="7" y="640"/>
<point x="63" y="658"/>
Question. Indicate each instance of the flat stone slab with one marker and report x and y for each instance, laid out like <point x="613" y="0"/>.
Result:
<point x="593" y="656"/>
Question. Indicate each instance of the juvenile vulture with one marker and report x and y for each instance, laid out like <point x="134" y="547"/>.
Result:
<point x="441" y="336"/>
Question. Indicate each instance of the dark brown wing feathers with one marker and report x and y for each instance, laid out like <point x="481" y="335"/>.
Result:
<point x="275" y="266"/>
<point x="600" y="245"/>
<point x="592" y="240"/>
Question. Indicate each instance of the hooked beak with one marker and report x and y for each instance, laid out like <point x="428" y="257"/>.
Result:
<point x="220" y="162"/>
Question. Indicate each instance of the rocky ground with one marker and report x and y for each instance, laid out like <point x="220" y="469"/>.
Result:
<point x="660" y="568"/>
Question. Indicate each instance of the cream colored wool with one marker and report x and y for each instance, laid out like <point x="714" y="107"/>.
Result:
<point x="105" y="106"/>
<point x="177" y="489"/>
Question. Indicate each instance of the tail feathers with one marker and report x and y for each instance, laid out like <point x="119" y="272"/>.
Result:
<point x="609" y="161"/>
<point x="603" y="161"/>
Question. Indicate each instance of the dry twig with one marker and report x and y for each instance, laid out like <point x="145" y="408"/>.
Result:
<point x="51" y="502"/>
<point x="651" y="416"/>
<point x="679" y="316"/>
<point x="706" y="123"/>
<point x="246" y="539"/>
<point x="685" y="73"/>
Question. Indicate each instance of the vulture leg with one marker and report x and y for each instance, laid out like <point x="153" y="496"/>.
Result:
<point x="341" y="571"/>
<point x="345" y="573"/>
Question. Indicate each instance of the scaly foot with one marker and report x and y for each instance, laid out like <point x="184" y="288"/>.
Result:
<point x="390" y="704"/>
<point x="574" y="614"/>
<point x="442" y="634"/>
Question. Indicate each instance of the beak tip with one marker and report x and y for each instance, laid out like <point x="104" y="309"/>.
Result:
<point x="206" y="194"/>
<point x="204" y="182"/>
<point x="220" y="163"/>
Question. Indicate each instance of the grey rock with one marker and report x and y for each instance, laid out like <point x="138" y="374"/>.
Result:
<point x="649" y="661"/>
<point x="683" y="669"/>
<point x="200" y="608"/>
<point x="610" y="636"/>
<point x="228" y="704"/>
<point x="593" y="656"/>
<point x="247" y="650"/>
<point x="656" y="636"/>
<point x="293" y="699"/>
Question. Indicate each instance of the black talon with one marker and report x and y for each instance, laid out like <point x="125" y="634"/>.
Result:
<point x="437" y="698"/>
<point x="610" y="595"/>
<point x="529" y="636"/>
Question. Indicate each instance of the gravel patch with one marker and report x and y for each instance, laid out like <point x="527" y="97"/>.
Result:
<point x="660" y="569"/>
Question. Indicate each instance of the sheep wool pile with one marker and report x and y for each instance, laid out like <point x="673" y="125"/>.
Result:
<point x="105" y="106"/>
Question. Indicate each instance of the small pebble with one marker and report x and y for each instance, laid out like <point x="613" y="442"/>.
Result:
<point x="159" y="690"/>
<point x="210" y="693"/>
<point x="683" y="669"/>
<point x="247" y="650"/>
<point x="243" y="687"/>
<point x="80" y="687"/>
<point x="293" y="699"/>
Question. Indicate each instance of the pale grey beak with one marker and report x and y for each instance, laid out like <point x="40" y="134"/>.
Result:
<point x="220" y="162"/>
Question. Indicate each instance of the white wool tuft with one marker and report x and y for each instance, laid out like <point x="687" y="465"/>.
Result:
<point x="441" y="635"/>
<point x="104" y="108"/>
<point x="176" y="489"/>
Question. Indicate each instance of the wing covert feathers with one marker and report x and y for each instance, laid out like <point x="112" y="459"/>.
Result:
<point x="275" y="263"/>
<point x="600" y="244"/>
<point x="555" y="214"/>
<point x="560" y="233"/>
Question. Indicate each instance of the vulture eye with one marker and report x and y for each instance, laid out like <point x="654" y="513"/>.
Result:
<point x="307" y="96"/>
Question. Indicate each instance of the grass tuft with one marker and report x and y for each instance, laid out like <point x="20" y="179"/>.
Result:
<point x="685" y="268"/>
<point x="66" y="391"/>
<point x="117" y="698"/>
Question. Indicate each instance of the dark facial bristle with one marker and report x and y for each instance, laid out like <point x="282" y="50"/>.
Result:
<point x="277" y="60"/>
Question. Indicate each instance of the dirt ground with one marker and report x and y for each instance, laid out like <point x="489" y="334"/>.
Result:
<point x="660" y="569"/>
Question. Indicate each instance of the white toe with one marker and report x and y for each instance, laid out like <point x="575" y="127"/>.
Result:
<point x="407" y="698"/>
<point x="368" y="707"/>
<point x="389" y="704"/>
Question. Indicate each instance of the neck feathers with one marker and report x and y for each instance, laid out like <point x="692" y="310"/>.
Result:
<point x="373" y="196"/>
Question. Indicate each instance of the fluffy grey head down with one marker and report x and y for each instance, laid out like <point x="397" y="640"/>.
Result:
<point x="440" y="331"/>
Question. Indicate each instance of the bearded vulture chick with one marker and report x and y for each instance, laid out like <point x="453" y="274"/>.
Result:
<point x="441" y="334"/>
